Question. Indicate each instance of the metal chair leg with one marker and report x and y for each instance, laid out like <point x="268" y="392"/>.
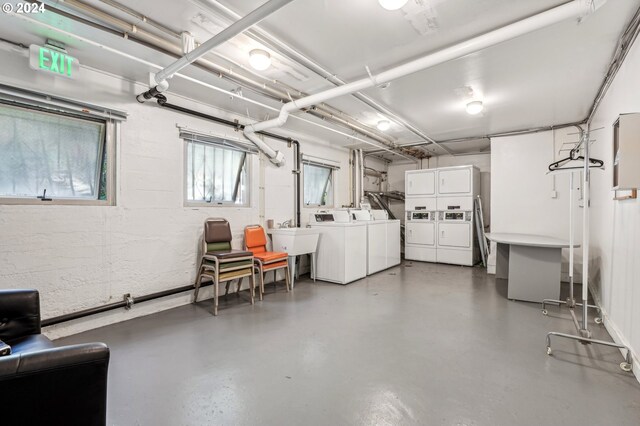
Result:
<point x="261" y="283"/>
<point x="216" y="290"/>
<point x="197" y="288"/>
<point x="197" y="283"/>
<point x="239" y="286"/>
<point x="252" y="282"/>
<point x="200" y="267"/>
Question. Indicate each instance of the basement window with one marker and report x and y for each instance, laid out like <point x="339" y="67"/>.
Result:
<point x="217" y="171"/>
<point x="62" y="153"/>
<point x="318" y="185"/>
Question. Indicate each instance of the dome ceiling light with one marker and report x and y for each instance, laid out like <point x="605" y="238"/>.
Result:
<point x="392" y="4"/>
<point x="259" y="59"/>
<point x="475" y="107"/>
<point x="383" y="125"/>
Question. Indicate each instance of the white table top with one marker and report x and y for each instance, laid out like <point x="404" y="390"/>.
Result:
<point x="528" y="240"/>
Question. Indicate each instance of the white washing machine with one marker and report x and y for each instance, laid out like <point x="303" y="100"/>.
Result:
<point x="341" y="256"/>
<point x="383" y="239"/>
<point x="394" y="242"/>
<point x="420" y="236"/>
<point x="455" y="238"/>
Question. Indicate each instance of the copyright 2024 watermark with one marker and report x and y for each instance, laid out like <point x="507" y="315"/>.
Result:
<point x="23" y="8"/>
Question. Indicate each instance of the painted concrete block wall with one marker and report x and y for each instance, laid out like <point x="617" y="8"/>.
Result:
<point x="522" y="193"/>
<point x="85" y="256"/>
<point x="615" y="225"/>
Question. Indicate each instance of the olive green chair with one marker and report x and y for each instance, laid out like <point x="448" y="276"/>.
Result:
<point x="220" y="263"/>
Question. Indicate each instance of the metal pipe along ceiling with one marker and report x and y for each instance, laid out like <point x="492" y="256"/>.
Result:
<point x="231" y="31"/>
<point x="265" y="88"/>
<point x="284" y="49"/>
<point x="574" y="9"/>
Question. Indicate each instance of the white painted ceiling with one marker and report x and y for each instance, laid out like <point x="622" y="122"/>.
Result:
<point x="544" y="78"/>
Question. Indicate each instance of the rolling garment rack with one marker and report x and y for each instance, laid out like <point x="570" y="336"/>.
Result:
<point x="572" y="164"/>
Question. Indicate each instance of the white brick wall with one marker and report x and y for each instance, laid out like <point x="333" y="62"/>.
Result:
<point x="80" y="257"/>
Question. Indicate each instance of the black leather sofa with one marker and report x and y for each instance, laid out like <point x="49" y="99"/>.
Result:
<point x="41" y="384"/>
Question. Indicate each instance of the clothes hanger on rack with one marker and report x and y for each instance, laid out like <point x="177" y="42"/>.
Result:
<point x="573" y="156"/>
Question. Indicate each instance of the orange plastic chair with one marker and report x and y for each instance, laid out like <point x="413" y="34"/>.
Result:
<point x="264" y="261"/>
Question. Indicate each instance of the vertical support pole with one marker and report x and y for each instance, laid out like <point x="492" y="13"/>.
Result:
<point x="586" y="178"/>
<point x="572" y="300"/>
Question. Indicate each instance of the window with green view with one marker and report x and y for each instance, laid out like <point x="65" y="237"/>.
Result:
<point x="56" y="152"/>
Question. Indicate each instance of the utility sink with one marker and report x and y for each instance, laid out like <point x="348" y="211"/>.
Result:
<point x="294" y="241"/>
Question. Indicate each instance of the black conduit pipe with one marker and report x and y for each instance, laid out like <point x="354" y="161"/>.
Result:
<point x="162" y="101"/>
<point x="119" y="305"/>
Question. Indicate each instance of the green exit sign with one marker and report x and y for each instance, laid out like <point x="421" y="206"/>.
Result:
<point x="53" y="61"/>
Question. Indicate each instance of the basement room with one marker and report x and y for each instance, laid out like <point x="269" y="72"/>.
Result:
<point x="320" y="212"/>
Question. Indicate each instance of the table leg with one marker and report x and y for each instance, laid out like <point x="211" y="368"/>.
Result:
<point x="534" y="273"/>
<point x="502" y="261"/>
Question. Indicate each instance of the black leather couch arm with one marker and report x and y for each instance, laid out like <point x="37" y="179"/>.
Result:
<point x="19" y="313"/>
<point x="68" y="383"/>
<point x="63" y="357"/>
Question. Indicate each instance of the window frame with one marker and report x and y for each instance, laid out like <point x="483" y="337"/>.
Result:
<point x="185" y="185"/>
<point x="108" y="148"/>
<point x="331" y="178"/>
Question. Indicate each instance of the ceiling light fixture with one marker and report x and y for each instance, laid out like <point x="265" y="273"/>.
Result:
<point x="259" y="59"/>
<point x="475" y="107"/>
<point x="383" y="125"/>
<point x="392" y="4"/>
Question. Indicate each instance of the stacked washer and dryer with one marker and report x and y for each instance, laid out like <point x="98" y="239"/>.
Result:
<point x="439" y="206"/>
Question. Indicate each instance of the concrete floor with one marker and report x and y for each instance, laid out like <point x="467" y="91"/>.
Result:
<point x="419" y="344"/>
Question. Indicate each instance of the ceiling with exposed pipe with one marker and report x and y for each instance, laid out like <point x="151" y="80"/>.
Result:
<point x="545" y="78"/>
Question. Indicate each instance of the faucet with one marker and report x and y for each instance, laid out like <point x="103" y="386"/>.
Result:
<point x="286" y="224"/>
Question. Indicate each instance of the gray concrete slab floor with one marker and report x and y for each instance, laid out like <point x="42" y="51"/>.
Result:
<point x="419" y="344"/>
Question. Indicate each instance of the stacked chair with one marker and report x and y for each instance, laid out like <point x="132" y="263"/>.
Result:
<point x="221" y="263"/>
<point x="264" y="261"/>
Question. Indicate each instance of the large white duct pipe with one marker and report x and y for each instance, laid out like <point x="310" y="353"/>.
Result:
<point x="276" y="157"/>
<point x="574" y="9"/>
<point x="231" y="31"/>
